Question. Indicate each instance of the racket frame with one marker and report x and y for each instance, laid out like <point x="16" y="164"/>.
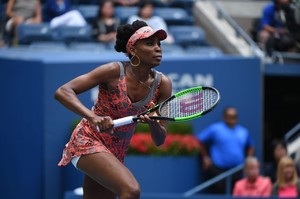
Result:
<point x="132" y="119"/>
<point x="183" y="92"/>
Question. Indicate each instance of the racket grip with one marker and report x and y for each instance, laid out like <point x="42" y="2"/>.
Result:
<point x="123" y="121"/>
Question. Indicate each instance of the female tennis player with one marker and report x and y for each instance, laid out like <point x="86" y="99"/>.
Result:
<point x="125" y="88"/>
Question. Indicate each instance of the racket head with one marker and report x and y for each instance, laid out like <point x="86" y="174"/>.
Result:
<point x="190" y="103"/>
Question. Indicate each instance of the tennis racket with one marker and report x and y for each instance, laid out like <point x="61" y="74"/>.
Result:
<point x="185" y="105"/>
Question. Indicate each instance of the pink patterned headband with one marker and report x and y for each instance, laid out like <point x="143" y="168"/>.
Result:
<point x="143" y="33"/>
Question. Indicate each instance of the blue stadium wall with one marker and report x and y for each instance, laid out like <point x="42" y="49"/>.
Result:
<point x="35" y="127"/>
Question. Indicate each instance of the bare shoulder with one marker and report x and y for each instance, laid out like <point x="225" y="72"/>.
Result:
<point x="166" y="79"/>
<point x="112" y="68"/>
<point x="166" y="82"/>
<point x="107" y="72"/>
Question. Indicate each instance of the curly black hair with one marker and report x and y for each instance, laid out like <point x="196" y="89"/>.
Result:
<point x="124" y="32"/>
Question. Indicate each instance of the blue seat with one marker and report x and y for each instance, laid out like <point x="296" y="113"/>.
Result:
<point x="186" y="5"/>
<point x="207" y="51"/>
<point x="48" y="46"/>
<point x="28" y="33"/>
<point x="123" y="13"/>
<point x="88" y="46"/>
<point x="174" y="16"/>
<point x="89" y="12"/>
<point x="171" y="48"/>
<point x="188" y="35"/>
<point x="70" y="34"/>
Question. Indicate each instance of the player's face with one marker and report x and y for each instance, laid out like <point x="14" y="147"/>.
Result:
<point x="149" y="51"/>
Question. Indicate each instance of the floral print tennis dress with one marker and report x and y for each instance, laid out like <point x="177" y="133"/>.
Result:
<point x="85" y="138"/>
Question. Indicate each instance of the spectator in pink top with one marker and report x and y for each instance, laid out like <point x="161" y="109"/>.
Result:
<point x="253" y="185"/>
<point x="287" y="184"/>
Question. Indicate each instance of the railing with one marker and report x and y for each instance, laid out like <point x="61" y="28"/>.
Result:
<point x="217" y="178"/>
<point x="256" y="51"/>
<point x="292" y="138"/>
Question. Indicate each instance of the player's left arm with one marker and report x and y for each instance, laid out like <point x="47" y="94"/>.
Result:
<point x="158" y="128"/>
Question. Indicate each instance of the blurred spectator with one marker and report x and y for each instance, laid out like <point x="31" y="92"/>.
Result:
<point x="105" y="25"/>
<point x="145" y="13"/>
<point x="292" y="20"/>
<point x="126" y="2"/>
<point x="287" y="184"/>
<point x="297" y="161"/>
<point x="278" y="151"/>
<point x="227" y="142"/>
<point x="61" y="13"/>
<point x="253" y="184"/>
<point x="273" y="34"/>
<point x="20" y="11"/>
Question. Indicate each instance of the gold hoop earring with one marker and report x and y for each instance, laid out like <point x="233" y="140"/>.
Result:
<point x="139" y="61"/>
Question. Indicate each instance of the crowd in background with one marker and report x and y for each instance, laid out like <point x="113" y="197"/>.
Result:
<point x="65" y="13"/>
<point x="279" y="27"/>
<point x="277" y="30"/>
<point x="227" y="144"/>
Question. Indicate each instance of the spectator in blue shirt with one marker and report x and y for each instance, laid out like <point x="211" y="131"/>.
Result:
<point x="224" y="145"/>
<point x="273" y="33"/>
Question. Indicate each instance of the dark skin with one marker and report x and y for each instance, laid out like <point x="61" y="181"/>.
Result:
<point x="106" y="176"/>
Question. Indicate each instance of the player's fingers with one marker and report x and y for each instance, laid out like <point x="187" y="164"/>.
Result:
<point x="141" y="119"/>
<point x="107" y="122"/>
<point x="147" y="119"/>
<point x="104" y="123"/>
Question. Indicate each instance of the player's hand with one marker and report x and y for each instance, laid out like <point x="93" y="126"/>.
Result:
<point x="103" y="124"/>
<point x="146" y="118"/>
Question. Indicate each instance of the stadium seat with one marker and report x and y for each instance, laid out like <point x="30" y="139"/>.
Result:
<point x="186" y="5"/>
<point x="188" y="35"/>
<point x="70" y="34"/>
<point x="208" y="51"/>
<point x="28" y="33"/>
<point x="171" y="48"/>
<point x="48" y="46"/>
<point x="174" y="16"/>
<point x="123" y="13"/>
<point x="88" y="46"/>
<point x="89" y="12"/>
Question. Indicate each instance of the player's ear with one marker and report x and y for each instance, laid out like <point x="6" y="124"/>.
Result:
<point x="132" y="51"/>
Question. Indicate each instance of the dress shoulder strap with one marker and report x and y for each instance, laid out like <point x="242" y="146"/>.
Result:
<point x="122" y="73"/>
<point x="157" y="79"/>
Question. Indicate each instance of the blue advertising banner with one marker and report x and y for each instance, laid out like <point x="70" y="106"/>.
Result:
<point x="35" y="127"/>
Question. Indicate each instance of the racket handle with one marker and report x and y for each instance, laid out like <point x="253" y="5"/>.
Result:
<point x="123" y="121"/>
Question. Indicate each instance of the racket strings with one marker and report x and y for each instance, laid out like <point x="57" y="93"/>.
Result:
<point x="210" y="99"/>
<point x="189" y="104"/>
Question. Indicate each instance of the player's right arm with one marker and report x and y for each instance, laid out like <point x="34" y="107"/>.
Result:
<point x="67" y="93"/>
